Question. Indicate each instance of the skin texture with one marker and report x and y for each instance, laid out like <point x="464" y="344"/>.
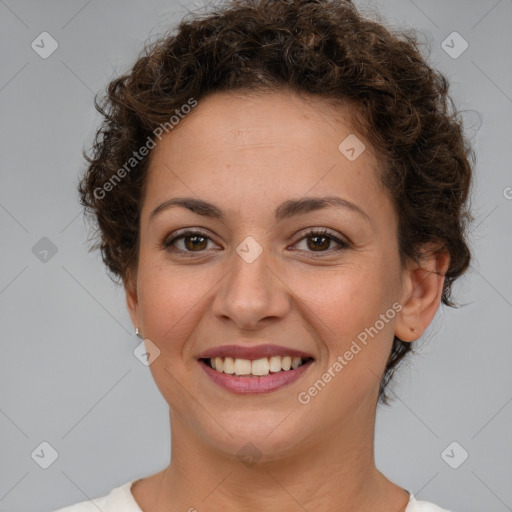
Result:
<point x="247" y="154"/>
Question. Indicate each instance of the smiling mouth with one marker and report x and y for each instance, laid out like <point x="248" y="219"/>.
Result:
<point x="256" y="367"/>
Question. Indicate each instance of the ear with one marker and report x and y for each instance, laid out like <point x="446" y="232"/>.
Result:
<point x="422" y="289"/>
<point x="130" y="288"/>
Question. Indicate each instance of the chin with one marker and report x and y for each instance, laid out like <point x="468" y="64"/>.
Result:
<point x="265" y="437"/>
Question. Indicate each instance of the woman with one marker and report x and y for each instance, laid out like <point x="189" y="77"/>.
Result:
<point x="282" y="190"/>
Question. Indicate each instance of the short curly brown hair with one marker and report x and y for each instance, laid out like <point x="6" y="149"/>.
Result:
<point x="321" y="47"/>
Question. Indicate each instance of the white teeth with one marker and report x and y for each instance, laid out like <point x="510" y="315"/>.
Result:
<point x="296" y="362"/>
<point x="286" y="363"/>
<point x="258" y="367"/>
<point x="275" y="364"/>
<point x="242" y="366"/>
<point x="229" y="365"/>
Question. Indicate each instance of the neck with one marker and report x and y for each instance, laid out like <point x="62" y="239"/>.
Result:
<point x="335" y="471"/>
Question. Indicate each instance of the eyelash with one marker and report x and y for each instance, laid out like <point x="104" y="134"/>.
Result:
<point x="167" y="244"/>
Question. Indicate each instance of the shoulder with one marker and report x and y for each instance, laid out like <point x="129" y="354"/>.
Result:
<point x="423" y="506"/>
<point x="119" y="499"/>
<point x="86" y="506"/>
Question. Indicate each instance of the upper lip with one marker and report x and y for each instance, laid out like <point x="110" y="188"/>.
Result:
<point x="256" y="352"/>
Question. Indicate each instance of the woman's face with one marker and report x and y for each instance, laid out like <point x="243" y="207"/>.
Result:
<point x="252" y="279"/>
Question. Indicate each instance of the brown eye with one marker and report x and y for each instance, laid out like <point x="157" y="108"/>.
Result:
<point x="319" y="241"/>
<point x="187" y="242"/>
<point x="195" y="242"/>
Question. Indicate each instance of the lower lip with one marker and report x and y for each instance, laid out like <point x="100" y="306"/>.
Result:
<point x="249" y="385"/>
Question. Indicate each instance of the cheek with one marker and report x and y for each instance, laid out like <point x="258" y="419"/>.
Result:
<point x="347" y="302"/>
<point x="171" y="302"/>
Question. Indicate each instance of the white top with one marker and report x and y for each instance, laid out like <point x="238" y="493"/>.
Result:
<point x="121" y="499"/>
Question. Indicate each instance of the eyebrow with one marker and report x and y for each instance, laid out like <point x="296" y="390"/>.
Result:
<point x="289" y="208"/>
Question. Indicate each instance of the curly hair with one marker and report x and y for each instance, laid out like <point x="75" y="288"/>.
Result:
<point x="325" y="48"/>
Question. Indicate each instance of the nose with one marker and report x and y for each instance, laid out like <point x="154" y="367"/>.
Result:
<point x="251" y="294"/>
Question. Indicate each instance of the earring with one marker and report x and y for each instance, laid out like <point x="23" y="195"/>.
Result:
<point x="137" y="333"/>
<point x="413" y="329"/>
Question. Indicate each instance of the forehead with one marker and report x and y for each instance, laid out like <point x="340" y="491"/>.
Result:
<point x="280" y="119"/>
<point x="255" y="149"/>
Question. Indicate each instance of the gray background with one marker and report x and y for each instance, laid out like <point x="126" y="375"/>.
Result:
<point x="68" y="375"/>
